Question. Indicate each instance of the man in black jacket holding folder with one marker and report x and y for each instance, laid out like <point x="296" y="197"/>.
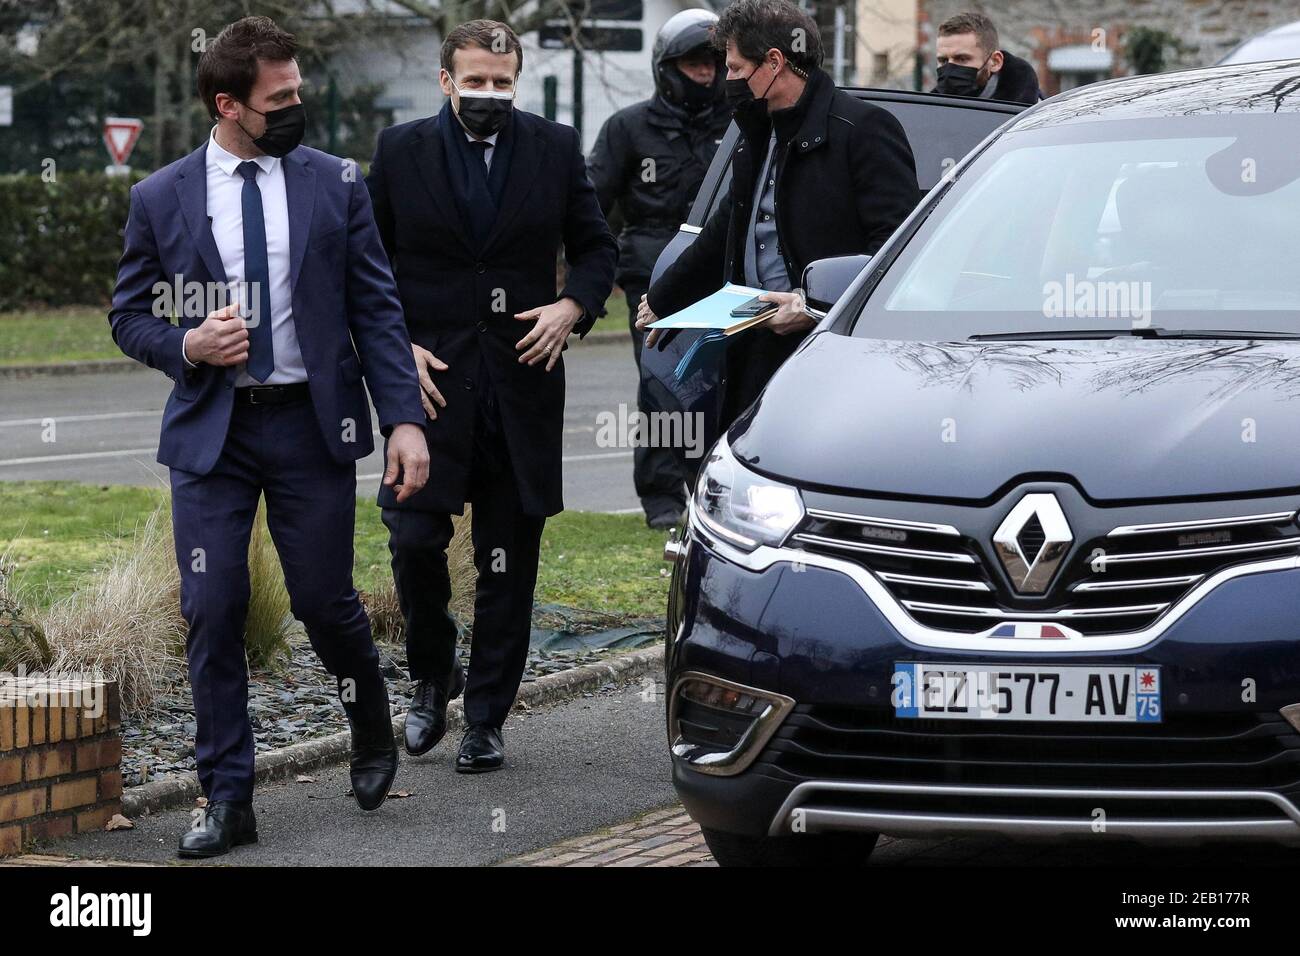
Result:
<point x="817" y="174"/>
<point x="473" y="205"/>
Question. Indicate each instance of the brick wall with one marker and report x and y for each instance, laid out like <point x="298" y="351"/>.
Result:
<point x="60" y="758"/>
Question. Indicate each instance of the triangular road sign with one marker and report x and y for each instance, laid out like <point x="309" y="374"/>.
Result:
<point x="120" y="134"/>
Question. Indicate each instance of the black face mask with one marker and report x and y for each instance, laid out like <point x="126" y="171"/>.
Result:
<point x="739" y="93"/>
<point x="483" y="113"/>
<point x="284" y="129"/>
<point x="960" y="80"/>
<point x="696" y="96"/>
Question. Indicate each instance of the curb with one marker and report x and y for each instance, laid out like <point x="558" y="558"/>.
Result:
<point x="78" y="367"/>
<point x="276" y="764"/>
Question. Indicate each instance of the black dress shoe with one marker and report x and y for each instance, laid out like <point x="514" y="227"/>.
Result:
<point x="481" y="750"/>
<point x="374" y="754"/>
<point x="664" y="520"/>
<point x="226" y="823"/>
<point x="426" y="720"/>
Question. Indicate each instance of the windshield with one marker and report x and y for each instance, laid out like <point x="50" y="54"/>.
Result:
<point x="1185" y="223"/>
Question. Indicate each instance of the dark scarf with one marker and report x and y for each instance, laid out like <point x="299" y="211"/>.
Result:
<point x="477" y="191"/>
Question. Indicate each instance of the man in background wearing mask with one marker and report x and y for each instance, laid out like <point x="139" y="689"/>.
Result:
<point x="268" y="400"/>
<point x="473" y="205"/>
<point x="648" y="161"/>
<point x="970" y="63"/>
<point x="818" y="174"/>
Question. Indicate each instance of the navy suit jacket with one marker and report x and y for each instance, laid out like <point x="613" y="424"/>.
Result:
<point x="345" y="307"/>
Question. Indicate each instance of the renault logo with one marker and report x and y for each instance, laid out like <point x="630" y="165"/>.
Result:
<point x="1032" y="541"/>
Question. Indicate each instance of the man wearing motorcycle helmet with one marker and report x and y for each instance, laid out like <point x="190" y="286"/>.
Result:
<point x="648" y="163"/>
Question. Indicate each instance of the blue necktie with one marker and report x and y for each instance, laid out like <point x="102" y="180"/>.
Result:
<point x="257" y="273"/>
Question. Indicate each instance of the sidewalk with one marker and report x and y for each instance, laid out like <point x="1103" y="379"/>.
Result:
<point x="661" y="838"/>
<point x="572" y="768"/>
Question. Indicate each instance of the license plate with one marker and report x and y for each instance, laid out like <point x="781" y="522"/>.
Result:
<point x="1027" y="692"/>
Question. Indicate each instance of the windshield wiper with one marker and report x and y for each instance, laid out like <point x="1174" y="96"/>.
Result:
<point x="1054" y="334"/>
<point x="1222" y="334"/>
<point x="1151" y="332"/>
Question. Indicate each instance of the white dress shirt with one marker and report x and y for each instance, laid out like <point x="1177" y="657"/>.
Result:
<point x="487" y="153"/>
<point x="226" y="213"/>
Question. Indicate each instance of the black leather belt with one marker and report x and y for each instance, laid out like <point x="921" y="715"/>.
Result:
<point x="272" y="394"/>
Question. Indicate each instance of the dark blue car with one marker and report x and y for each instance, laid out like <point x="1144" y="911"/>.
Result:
<point x="1010" y="544"/>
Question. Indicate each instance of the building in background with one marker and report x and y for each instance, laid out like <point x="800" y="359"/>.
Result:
<point x="372" y="63"/>
<point x="867" y="43"/>
<point x="611" y="80"/>
<point x="880" y="43"/>
<point x="884" y="44"/>
<point x="406" y="63"/>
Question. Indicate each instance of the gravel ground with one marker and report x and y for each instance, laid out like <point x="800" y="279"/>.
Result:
<point x="298" y="701"/>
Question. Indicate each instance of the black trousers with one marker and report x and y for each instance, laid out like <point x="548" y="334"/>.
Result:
<point x="506" y="547"/>
<point x="656" y="472"/>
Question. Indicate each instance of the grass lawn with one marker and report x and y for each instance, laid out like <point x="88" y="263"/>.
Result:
<point x="56" y="533"/>
<point x="55" y="335"/>
<point x="615" y="318"/>
<point x="81" y="332"/>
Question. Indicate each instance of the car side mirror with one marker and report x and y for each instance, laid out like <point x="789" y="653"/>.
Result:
<point x="825" y="280"/>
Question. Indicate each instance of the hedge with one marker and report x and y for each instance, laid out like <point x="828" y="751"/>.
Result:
<point x="60" y="241"/>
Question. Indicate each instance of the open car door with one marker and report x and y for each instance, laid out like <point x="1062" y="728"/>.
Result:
<point x="941" y="130"/>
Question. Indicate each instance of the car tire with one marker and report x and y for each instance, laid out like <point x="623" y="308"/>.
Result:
<point x="808" y="849"/>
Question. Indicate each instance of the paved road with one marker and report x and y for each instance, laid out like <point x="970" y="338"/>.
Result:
<point x="106" y="429"/>
<point x="572" y="768"/>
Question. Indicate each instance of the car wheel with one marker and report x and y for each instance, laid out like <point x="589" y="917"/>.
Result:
<point x="807" y="849"/>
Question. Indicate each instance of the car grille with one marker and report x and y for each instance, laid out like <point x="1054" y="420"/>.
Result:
<point x="1237" y="751"/>
<point x="1121" y="581"/>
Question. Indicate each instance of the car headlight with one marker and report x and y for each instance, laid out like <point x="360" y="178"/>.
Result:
<point x="741" y="507"/>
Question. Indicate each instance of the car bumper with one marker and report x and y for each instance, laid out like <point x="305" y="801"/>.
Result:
<point x="1223" y="764"/>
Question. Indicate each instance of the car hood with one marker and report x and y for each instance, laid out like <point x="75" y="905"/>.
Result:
<point x="1122" y="418"/>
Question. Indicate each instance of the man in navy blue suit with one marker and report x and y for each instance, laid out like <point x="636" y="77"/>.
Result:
<point x="268" y="399"/>
<point x="473" y="205"/>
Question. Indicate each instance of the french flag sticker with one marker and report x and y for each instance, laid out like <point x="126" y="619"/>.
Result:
<point x="904" y="689"/>
<point x="1029" y="632"/>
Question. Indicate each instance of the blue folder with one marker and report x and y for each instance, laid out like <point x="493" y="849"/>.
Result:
<point x="712" y="314"/>
<point x="713" y="311"/>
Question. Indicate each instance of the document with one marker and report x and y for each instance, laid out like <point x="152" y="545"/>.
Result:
<point x="714" y="312"/>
